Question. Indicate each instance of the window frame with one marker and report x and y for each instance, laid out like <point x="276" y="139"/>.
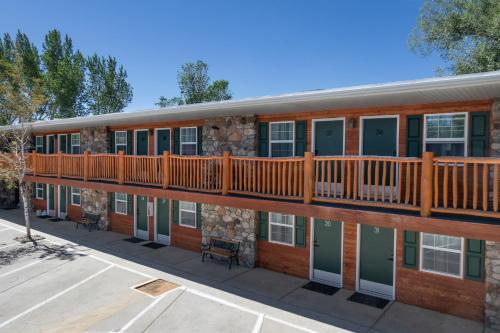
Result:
<point x="123" y="201"/>
<point x="421" y="254"/>
<point x="187" y="211"/>
<point x="447" y="140"/>
<point x="190" y="142"/>
<point x="37" y="189"/>
<point x="271" y="141"/>
<point x="79" y="194"/>
<point x="79" y="145"/>
<point x="39" y="145"/>
<point x="292" y="226"/>
<point x="121" y="144"/>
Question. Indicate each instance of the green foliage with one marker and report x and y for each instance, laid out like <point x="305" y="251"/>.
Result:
<point x="195" y="87"/>
<point x="107" y="88"/>
<point x="466" y="33"/>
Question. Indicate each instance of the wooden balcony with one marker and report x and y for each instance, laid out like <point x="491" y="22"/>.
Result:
<point x="465" y="186"/>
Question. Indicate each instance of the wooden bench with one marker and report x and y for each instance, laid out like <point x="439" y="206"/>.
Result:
<point x="89" y="220"/>
<point x="222" y="248"/>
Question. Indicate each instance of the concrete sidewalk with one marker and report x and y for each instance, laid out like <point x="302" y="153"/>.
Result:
<point x="279" y="297"/>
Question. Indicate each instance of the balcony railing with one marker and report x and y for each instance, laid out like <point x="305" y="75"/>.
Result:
<point x="467" y="186"/>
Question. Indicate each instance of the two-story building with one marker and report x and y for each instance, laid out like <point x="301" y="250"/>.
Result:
<point x="388" y="189"/>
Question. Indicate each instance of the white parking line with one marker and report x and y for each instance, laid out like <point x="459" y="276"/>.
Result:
<point x="23" y="267"/>
<point x="284" y="322"/>
<point x="24" y="313"/>
<point x="258" y="325"/>
<point x="4" y="229"/>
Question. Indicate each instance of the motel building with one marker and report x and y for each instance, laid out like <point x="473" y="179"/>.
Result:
<point x="391" y="190"/>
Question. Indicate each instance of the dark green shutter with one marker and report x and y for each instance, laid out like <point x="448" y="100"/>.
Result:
<point x="33" y="143"/>
<point x="69" y="197"/>
<point x="177" y="141"/>
<point x="414" y="136"/>
<point x="478" y="137"/>
<point x="264" y="139"/>
<point x="300" y="137"/>
<point x="130" y="142"/>
<point x="44" y="145"/>
<point x="300" y="231"/>
<point x="69" y="150"/>
<point x="199" y="136"/>
<point x="111" y="201"/>
<point x="263" y="225"/>
<point x="410" y="249"/>
<point x="175" y="213"/>
<point x="111" y="140"/>
<point x="33" y="190"/>
<point x="130" y="204"/>
<point x="198" y="215"/>
<point x="474" y="259"/>
<point x="44" y="191"/>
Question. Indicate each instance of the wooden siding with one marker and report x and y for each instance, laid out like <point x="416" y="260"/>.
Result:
<point x="185" y="238"/>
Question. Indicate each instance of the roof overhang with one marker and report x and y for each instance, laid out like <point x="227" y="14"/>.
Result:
<point x="471" y="87"/>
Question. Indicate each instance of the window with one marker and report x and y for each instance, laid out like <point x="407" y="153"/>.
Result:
<point x="121" y="141"/>
<point x="121" y="203"/>
<point x="189" y="140"/>
<point x="75" y="196"/>
<point x="39" y="144"/>
<point x="441" y="254"/>
<point x="282" y="138"/>
<point x="75" y="143"/>
<point x="445" y="134"/>
<point x="281" y="228"/>
<point x="39" y="191"/>
<point x="187" y="214"/>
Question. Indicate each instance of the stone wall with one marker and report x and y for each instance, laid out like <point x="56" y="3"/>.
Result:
<point x="235" y="134"/>
<point x="231" y="223"/>
<point x="94" y="139"/>
<point x="96" y="201"/>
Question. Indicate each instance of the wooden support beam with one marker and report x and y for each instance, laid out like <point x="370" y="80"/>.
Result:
<point x="59" y="164"/>
<point x="166" y="169"/>
<point x="121" y="167"/>
<point x="226" y="171"/>
<point x="308" y="177"/>
<point x="426" y="182"/>
<point x="86" y="165"/>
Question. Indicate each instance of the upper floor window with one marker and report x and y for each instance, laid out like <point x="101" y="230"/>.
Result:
<point x="121" y="202"/>
<point x="445" y="134"/>
<point x="39" y="144"/>
<point x="281" y="227"/>
<point x="189" y="140"/>
<point x="187" y="214"/>
<point x="75" y="143"/>
<point x="441" y="254"/>
<point x="282" y="139"/>
<point x="120" y="141"/>
<point x="75" y="196"/>
<point x="39" y="191"/>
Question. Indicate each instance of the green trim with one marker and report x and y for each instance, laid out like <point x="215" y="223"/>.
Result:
<point x="111" y="139"/>
<point x="300" y="137"/>
<point x="130" y="205"/>
<point x="130" y="142"/>
<point x="199" y="137"/>
<point x="474" y="259"/>
<point x="111" y="201"/>
<point x="478" y="134"/>
<point x="264" y="139"/>
<point x="177" y="141"/>
<point x="300" y="231"/>
<point x="414" y="136"/>
<point x="175" y="213"/>
<point x="263" y="225"/>
<point x="198" y="215"/>
<point x="410" y="249"/>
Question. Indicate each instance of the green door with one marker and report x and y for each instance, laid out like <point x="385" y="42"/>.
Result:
<point x="51" y="142"/>
<point x="162" y="141"/>
<point x="162" y="221"/>
<point x="376" y="260"/>
<point x="51" y="199"/>
<point x="141" y="144"/>
<point x="62" y="144"/>
<point x="329" y="138"/>
<point x="63" y="200"/>
<point x="328" y="251"/>
<point x="142" y="217"/>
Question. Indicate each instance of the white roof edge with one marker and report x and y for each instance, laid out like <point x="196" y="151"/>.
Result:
<point x="397" y="87"/>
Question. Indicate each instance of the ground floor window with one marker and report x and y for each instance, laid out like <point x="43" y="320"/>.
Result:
<point x="441" y="254"/>
<point x="187" y="214"/>
<point x="75" y="196"/>
<point x="39" y="191"/>
<point x="281" y="228"/>
<point x="121" y="203"/>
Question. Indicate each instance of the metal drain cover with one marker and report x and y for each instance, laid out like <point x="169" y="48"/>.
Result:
<point x="156" y="287"/>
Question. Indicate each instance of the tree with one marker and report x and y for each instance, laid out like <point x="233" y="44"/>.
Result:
<point x="22" y="98"/>
<point x="466" y="33"/>
<point x="195" y="87"/>
<point x="107" y="89"/>
<point x="64" y="80"/>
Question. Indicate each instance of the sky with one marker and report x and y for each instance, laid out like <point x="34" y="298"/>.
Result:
<point x="261" y="47"/>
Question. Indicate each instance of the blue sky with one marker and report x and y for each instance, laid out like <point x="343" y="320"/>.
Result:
<point x="261" y="47"/>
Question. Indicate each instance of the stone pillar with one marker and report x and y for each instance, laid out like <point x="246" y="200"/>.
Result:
<point x="234" y="224"/>
<point x="235" y="134"/>
<point x="94" y="139"/>
<point x="492" y="254"/>
<point x="96" y="201"/>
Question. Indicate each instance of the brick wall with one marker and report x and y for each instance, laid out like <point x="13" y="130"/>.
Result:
<point x="123" y="224"/>
<point x="349" y="256"/>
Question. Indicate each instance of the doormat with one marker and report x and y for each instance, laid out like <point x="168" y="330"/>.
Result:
<point x="376" y="302"/>
<point x="153" y="245"/>
<point x="321" y="288"/>
<point x="43" y="216"/>
<point x="56" y="219"/>
<point x="134" y="240"/>
<point x="156" y="287"/>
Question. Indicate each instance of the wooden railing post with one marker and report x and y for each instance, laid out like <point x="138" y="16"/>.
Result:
<point x="121" y="167"/>
<point x="59" y="164"/>
<point x="308" y="177"/>
<point x="226" y="171"/>
<point x="86" y="164"/>
<point x="33" y="162"/>
<point x="166" y="169"/>
<point x="426" y="184"/>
